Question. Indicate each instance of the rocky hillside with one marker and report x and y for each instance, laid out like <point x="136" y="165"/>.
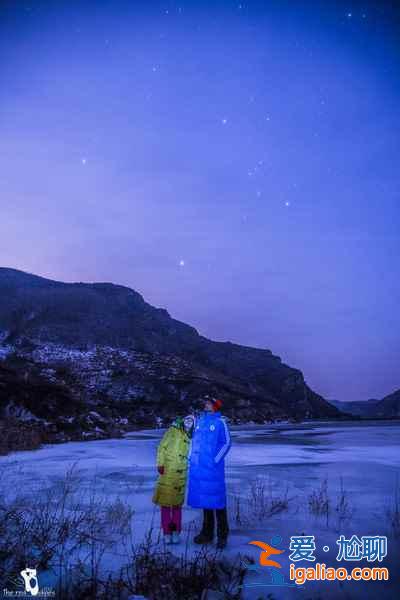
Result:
<point x="387" y="408"/>
<point x="358" y="408"/>
<point x="88" y="359"/>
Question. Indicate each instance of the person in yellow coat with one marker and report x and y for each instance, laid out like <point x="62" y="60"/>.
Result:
<point x="172" y="459"/>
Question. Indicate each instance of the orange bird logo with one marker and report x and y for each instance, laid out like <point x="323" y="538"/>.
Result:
<point x="267" y="550"/>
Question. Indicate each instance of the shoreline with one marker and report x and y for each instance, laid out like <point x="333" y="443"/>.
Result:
<point x="47" y="441"/>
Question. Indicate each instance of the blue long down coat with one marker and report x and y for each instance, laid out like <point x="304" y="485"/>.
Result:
<point x="210" y="444"/>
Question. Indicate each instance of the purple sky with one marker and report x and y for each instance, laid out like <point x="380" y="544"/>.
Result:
<point x="236" y="163"/>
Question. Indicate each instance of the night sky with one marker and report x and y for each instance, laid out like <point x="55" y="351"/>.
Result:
<point x="235" y="163"/>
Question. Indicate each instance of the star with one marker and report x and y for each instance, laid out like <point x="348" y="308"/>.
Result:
<point x="83" y="161"/>
<point x="287" y="203"/>
<point x="349" y="15"/>
<point x="181" y="263"/>
<point x="224" y="121"/>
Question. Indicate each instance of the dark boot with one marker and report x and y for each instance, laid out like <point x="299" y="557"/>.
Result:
<point x="206" y="534"/>
<point x="222" y="528"/>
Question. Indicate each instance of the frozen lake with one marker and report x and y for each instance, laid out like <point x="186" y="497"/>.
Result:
<point x="293" y="461"/>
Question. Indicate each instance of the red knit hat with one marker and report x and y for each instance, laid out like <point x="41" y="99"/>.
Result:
<point x="217" y="404"/>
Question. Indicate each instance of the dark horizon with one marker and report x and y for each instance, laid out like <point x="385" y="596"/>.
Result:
<point x="234" y="163"/>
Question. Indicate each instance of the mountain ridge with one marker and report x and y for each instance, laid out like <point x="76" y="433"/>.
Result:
<point x="387" y="407"/>
<point x="104" y="346"/>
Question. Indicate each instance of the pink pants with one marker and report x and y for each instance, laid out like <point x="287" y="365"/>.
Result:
<point x="171" y="519"/>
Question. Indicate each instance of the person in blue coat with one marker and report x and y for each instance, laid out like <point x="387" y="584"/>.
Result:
<point x="206" y="486"/>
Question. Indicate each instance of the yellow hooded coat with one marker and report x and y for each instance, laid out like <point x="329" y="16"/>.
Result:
<point x="172" y="454"/>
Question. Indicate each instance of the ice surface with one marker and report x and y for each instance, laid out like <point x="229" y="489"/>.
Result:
<point x="363" y="457"/>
